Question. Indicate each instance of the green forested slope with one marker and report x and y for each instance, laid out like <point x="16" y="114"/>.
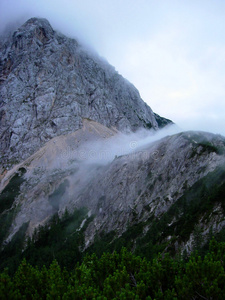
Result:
<point x="122" y="276"/>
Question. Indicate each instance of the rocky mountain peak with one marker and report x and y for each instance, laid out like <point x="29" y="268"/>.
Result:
<point x="36" y="22"/>
<point x="33" y="29"/>
<point x="49" y="83"/>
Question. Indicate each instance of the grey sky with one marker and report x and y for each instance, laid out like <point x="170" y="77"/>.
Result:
<point x="172" y="51"/>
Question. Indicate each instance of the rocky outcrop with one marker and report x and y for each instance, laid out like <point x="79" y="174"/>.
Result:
<point x="118" y="191"/>
<point x="49" y="83"/>
<point x="145" y="184"/>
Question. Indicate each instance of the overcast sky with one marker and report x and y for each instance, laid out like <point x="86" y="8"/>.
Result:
<point x="172" y="51"/>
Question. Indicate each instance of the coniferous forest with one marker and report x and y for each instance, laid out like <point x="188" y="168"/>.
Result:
<point x="121" y="275"/>
<point x="51" y="265"/>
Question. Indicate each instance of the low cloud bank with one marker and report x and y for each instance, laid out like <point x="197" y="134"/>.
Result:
<point x="104" y="151"/>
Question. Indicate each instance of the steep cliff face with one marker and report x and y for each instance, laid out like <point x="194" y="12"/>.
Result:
<point x="80" y="170"/>
<point x="147" y="185"/>
<point x="49" y="83"/>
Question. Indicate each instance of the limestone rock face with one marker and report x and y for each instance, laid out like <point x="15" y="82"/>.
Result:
<point x="49" y="83"/>
<point x="80" y="170"/>
<point x="148" y="182"/>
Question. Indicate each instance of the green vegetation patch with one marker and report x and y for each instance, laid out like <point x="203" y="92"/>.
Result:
<point x="11" y="191"/>
<point x="122" y="275"/>
<point x="206" y="147"/>
<point x="61" y="239"/>
<point x="6" y="219"/>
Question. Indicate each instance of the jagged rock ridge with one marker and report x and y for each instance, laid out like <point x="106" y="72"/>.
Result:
<point x="49" y="83"/>
<point x="131" y="189"/>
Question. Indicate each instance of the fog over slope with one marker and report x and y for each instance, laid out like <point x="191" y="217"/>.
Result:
<point x="122" y="180"/>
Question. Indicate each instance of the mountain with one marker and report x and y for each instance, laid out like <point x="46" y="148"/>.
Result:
<point x="120" y="191"/>
<point x="80" y="168"/>
<point x="49" y="83"/>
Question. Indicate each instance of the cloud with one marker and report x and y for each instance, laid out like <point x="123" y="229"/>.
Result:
<point x="185" y="88"/>
<point x="104" y="151"/>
